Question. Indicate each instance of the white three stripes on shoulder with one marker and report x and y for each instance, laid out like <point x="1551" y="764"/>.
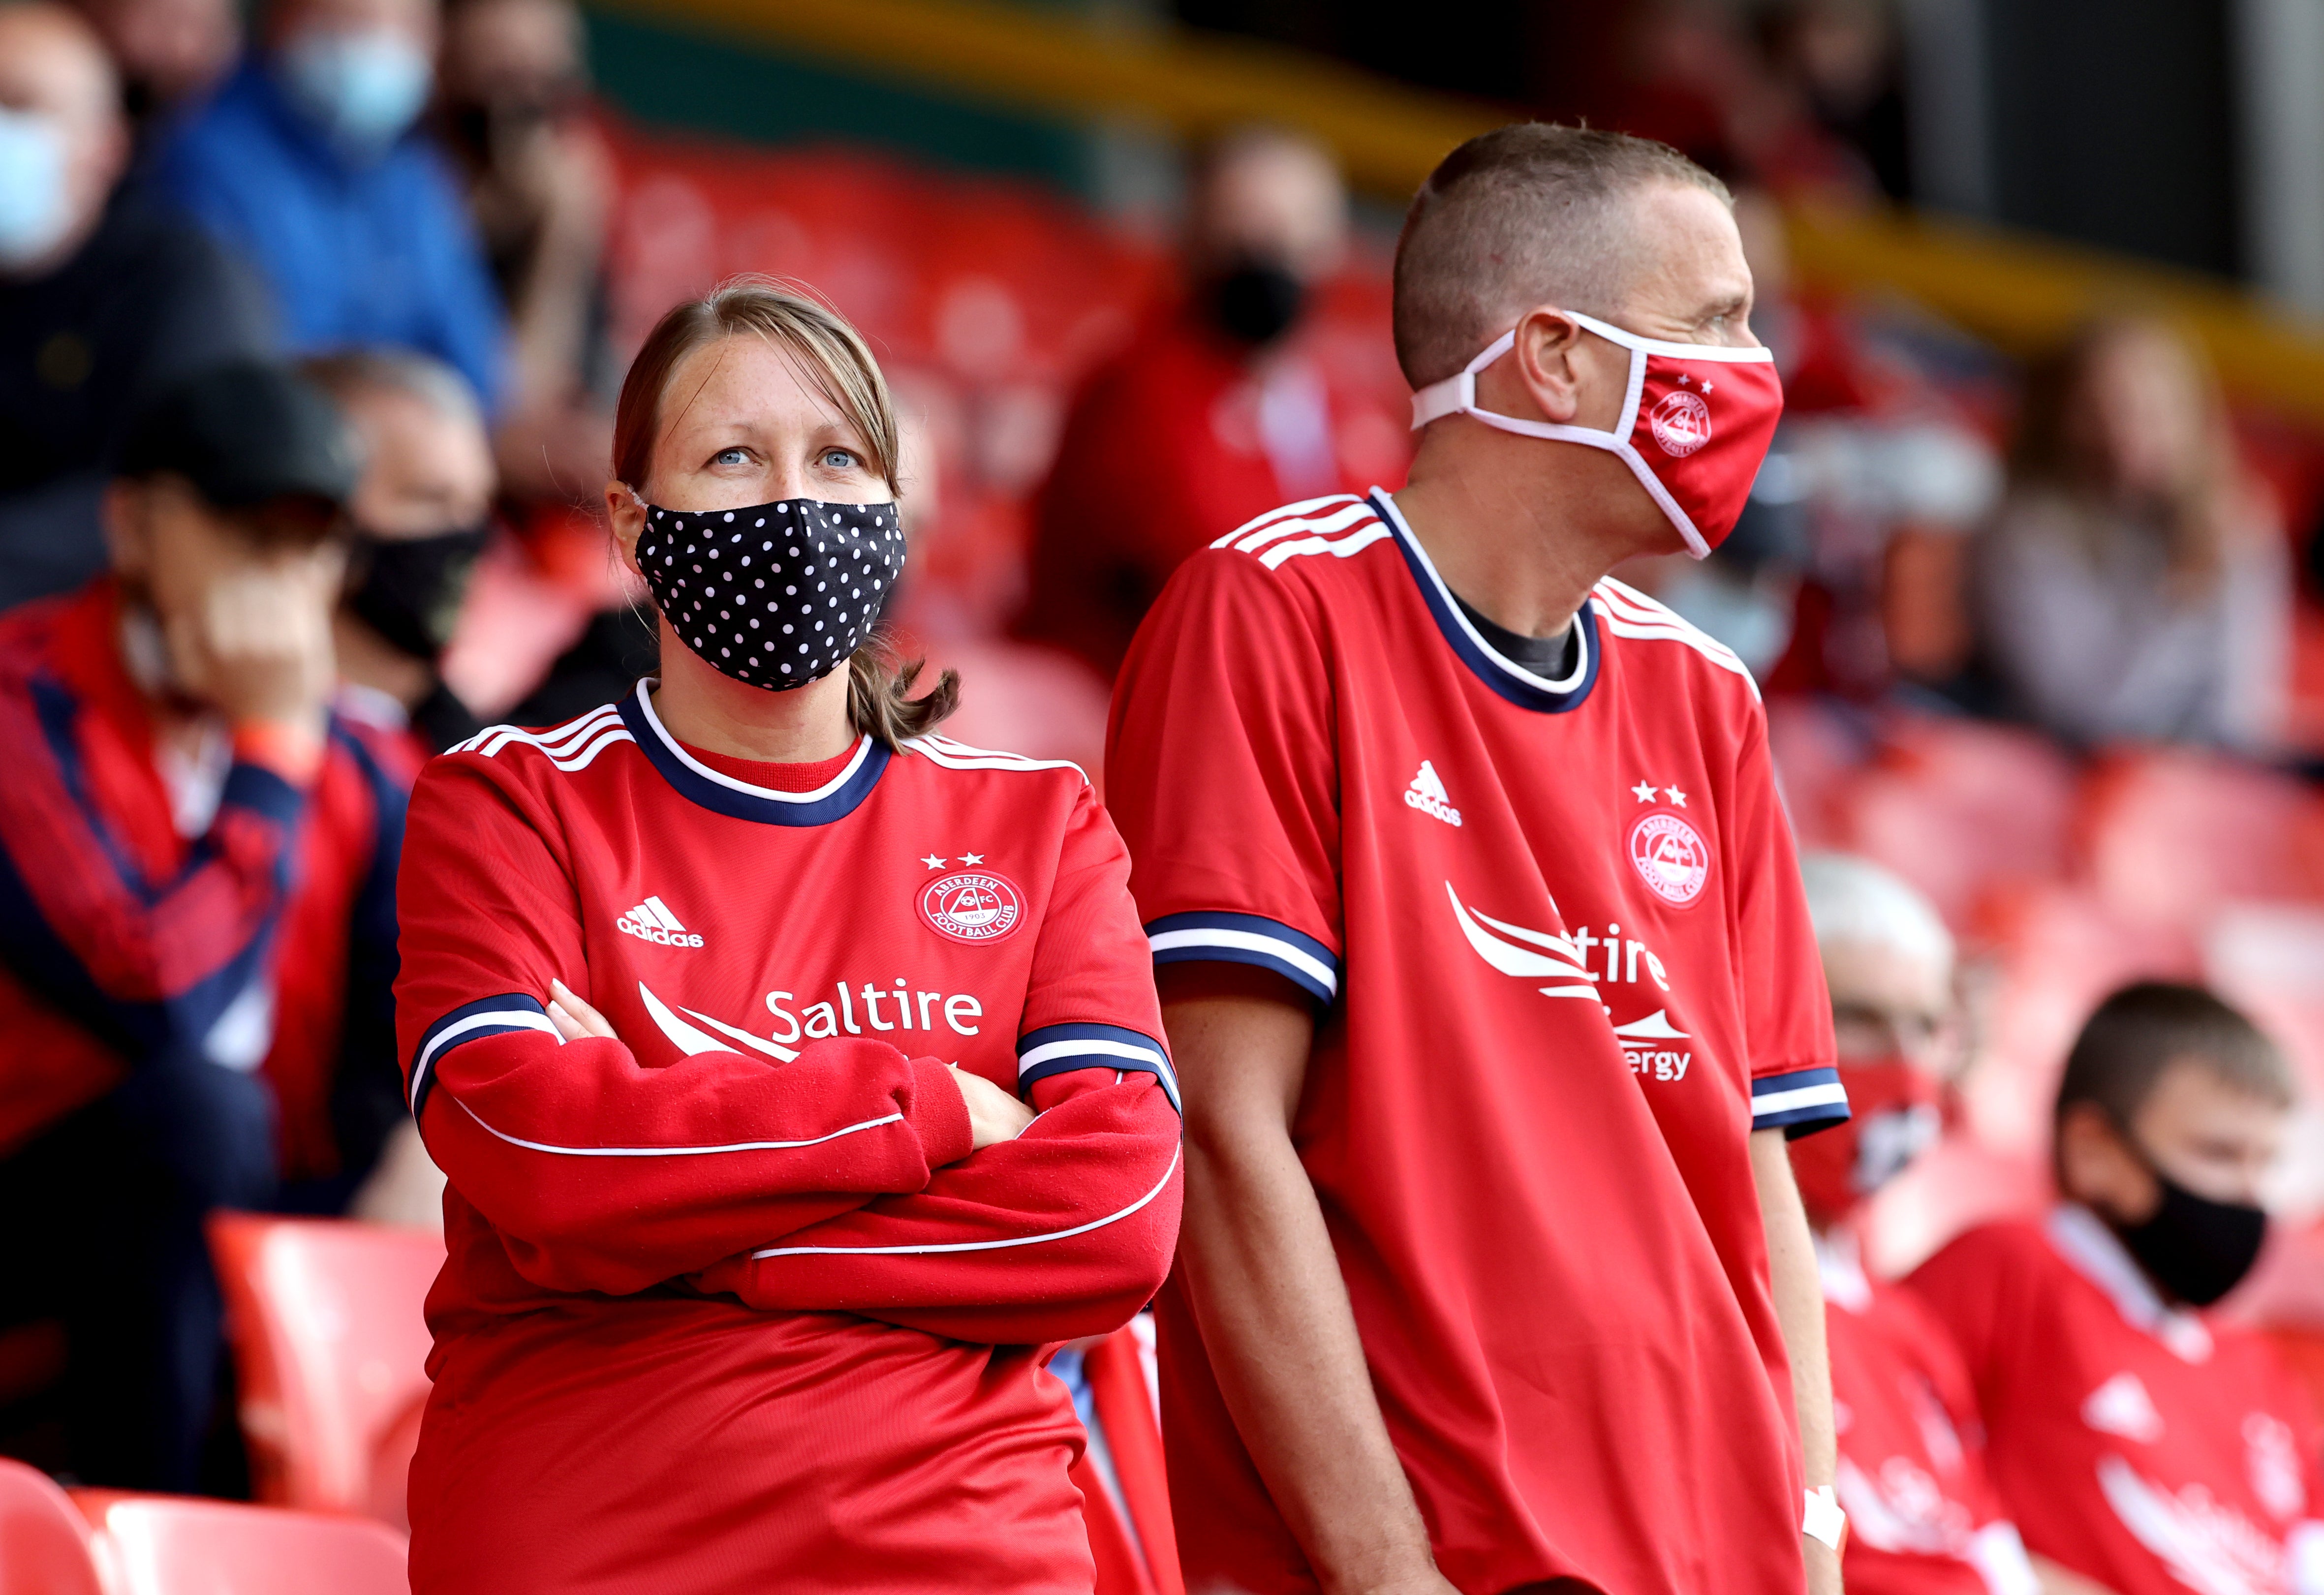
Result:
<point x="952" y="755"/>
<point x="1628" y="612"/>
<point x="1305" y="506"/>
<point x="570" y="746"/>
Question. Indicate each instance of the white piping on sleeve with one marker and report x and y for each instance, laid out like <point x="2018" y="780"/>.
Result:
<point x="676" y="1152"/>
<point x="1111" y="1218"/>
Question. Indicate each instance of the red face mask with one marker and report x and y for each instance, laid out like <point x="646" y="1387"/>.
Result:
<point x="1893" y="1118"/>
<point x="1695" y="423"/>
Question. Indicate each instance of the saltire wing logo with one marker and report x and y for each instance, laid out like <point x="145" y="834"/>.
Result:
<point x="1530" y="954"/>
<point x="691" y="1041"/>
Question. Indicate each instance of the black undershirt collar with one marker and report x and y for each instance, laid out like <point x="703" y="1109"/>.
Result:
<point x="1552" y="657"/>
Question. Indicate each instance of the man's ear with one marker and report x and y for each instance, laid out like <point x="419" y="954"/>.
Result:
<point x="627" y="516"/>
<point x="1546" y="365"/>
<point x="2097" y="1167"/>
<point x="126" y="514"/>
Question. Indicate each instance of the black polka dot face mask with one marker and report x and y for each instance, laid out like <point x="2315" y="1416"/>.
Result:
<point x="777" y="594"/>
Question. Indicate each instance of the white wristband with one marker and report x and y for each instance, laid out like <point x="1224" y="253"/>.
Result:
<point x="1823" y="1520"/>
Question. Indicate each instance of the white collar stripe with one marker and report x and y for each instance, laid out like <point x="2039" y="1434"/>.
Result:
<point x="771" y="794"/>
<point x="1565" y="685"/>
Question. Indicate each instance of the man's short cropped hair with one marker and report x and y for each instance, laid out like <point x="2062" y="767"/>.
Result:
<point x="1855" y="901"/>
<point x="348" y="374"/>
<point x="1525" y="215"/>
<point x="2143" y="1029"/>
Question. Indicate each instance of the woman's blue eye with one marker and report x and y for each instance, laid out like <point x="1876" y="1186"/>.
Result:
<point x="837" y="459"/>
<point x="731" y="456"/>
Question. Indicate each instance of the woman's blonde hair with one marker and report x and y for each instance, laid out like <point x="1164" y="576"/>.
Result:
<point x="833" y="360"/>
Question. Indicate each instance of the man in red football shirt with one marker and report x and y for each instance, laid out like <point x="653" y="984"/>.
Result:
<point x="2144" y="1447"/>
<point x="1212" y="413"/>
<point x="1922" y="1516"/>
<point x="1483" y="951"/>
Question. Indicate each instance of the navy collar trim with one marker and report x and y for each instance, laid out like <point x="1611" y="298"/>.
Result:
<point x="721" y="793"/>
<point x="1496" y="669"/>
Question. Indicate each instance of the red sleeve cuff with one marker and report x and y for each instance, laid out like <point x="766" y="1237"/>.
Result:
<point x="938" y="1114"/>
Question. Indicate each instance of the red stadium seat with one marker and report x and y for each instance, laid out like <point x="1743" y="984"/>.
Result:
<point x="46" y="1548"/>
<point x="2172" y="836"/>
<point x="1125" y="1408"/>
<point x="1817" y="748"/>
<point x="1120" y="1571"/>
<point x="330" y="1347"/>
<point x="1960" y="808"/>
<point x="2058" y="952"/>
<point x="177" y="1546"/>
<point x="1026" y="700"/>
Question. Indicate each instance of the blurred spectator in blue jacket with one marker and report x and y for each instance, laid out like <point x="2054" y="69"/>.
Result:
<point x="102" y="302"/>
<point x="308" y="163"/>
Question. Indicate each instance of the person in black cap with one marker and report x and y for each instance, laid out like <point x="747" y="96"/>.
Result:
<point x="196" y="910"/>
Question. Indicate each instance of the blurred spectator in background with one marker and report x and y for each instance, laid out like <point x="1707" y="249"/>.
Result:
<point x="2135" y="585"/>
<point x="2138" y="1442"/>
<point x="1838" y="57"/>
<point x="199" y="863"/>
<point x="307" y="163"/>
<point x="170" y="53"/>
<point x="512" y="107"/>
<point x="1923" y="1517"/>
<point x="102" y="301"/>
<point x="421" y="516"/>
<point x="1212" y="415"/>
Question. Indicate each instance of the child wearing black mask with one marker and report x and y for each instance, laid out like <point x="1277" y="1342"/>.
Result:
<point x="420" y="514"/>
<point x="2138" y="1442"/>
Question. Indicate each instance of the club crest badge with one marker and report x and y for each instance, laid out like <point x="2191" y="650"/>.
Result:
<point x="973" y="906"/>
<point x="1671" y="857"/>
<point x="1681" y="423"/>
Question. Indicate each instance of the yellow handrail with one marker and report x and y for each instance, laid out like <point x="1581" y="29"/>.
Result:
<point x="2025" y="293"/>
<point x="1388" y="137"/>
<point x="2018" y="292"/>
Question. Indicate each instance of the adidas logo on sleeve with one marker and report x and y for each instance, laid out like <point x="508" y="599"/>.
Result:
<point x="651" y="921"/>
<point x="1428" y="794"/>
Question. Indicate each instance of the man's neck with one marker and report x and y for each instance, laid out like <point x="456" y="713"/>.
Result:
<point x="1525" y="545"/>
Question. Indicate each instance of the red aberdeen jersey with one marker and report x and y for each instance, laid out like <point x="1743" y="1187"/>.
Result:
<point x="729" y="1301"/>
<point x="1558" y="935"/>
<point x="1923" y="1518"/>
<point x="2146" y="1447"/>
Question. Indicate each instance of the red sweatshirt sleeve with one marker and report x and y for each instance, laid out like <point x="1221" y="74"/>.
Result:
<point x="600" y="1172"/>
<point x="147" y="966"/>
<point x="1066" y="1231"/>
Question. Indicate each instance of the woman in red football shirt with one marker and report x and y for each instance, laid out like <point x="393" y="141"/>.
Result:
<point x="795" y="1070"/>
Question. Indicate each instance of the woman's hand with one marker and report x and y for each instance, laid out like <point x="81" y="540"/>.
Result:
<point x="993" y="1115"/>
<point x="573" y="1018"/>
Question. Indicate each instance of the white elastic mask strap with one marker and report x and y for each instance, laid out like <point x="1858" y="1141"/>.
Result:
<point x="1457" y="395"/>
